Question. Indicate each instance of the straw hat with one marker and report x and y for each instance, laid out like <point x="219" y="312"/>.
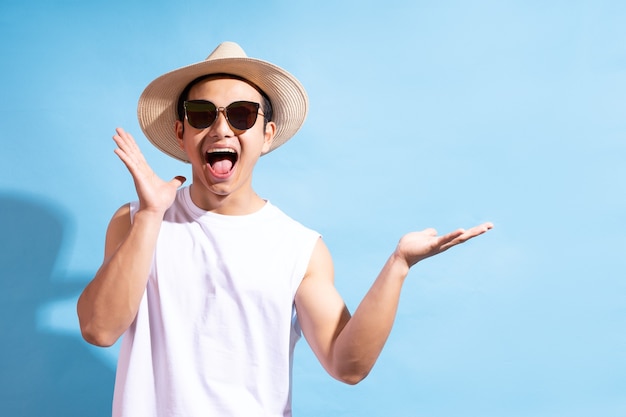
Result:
<point x="157" y="110"/>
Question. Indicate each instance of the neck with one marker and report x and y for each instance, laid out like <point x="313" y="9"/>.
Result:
<point x="235" y="204"/>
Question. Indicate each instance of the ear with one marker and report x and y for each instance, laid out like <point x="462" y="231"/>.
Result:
<point x="179" y="129"/>
<point x="268" y="138"/>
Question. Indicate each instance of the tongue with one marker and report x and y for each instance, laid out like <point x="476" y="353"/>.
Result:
<point x="223" y="166"/>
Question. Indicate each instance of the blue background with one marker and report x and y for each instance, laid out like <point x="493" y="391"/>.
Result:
<point x="423" y="114"/>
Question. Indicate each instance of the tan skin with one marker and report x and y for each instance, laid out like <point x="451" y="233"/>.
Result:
<point x="346" y="345"/>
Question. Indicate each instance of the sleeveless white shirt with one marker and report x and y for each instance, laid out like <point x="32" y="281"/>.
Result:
<point x="216" y="328"/>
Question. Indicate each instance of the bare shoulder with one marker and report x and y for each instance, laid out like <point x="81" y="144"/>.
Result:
<point x="317" y="289"/>
<point x="320" y="265"/>
<point x="117" y="230"/>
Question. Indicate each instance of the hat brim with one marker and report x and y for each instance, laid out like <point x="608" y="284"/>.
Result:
<point x="157" y="108"/>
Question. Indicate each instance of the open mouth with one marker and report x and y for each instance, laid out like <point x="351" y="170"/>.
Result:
<point x="221" y="161"/>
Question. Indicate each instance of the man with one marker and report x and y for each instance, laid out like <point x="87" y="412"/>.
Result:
<point x="210" y="284"/>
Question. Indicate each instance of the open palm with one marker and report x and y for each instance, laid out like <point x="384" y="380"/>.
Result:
<point x="154" y="193"/>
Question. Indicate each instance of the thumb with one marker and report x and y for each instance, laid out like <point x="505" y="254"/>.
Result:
<point x="178" y="180"/>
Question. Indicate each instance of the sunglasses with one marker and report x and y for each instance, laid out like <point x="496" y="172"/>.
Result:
<point x="240" y="115"/>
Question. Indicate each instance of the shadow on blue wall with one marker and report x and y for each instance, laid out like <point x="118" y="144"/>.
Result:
<point x="42" y="373"/>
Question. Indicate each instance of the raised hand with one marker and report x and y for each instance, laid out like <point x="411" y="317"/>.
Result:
<point x="417" y="246"/>
<point x="154" y="193"/>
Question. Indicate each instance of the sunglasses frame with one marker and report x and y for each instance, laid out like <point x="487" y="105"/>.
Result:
<point x="205" y="107"/>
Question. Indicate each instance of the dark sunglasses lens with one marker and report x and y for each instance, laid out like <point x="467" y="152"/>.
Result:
<point x="242" y="114"/>
<point x="200" y="114"/>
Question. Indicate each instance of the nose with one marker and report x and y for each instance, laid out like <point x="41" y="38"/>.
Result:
<point x="220" y="126"/>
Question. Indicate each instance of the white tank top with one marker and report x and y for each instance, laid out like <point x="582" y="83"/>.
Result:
<point x="216" y="328"/>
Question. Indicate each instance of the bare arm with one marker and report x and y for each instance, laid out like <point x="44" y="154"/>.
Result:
<point x="348" y="346"/>
<point x="109" y="303"/>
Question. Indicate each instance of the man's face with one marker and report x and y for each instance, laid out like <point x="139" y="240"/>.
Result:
<point x="223" y="157"/>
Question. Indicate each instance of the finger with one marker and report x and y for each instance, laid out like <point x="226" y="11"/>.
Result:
<point x="451" y="236"/>
<point x="479" y="230"/>
<point x="126" y="142"/>
<point x="467" y="235"/>
<point x="487" y="226"/>
<point x="124" y="134"/>
<point x="128" y="151"/>
<point x="178" y="180"/>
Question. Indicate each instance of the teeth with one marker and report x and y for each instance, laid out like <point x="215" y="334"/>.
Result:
<point x="228" y="150"/>
<point x="213" y="155"/>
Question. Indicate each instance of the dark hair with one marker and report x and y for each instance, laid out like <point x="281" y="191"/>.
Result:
<point x="266" y="104"/>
